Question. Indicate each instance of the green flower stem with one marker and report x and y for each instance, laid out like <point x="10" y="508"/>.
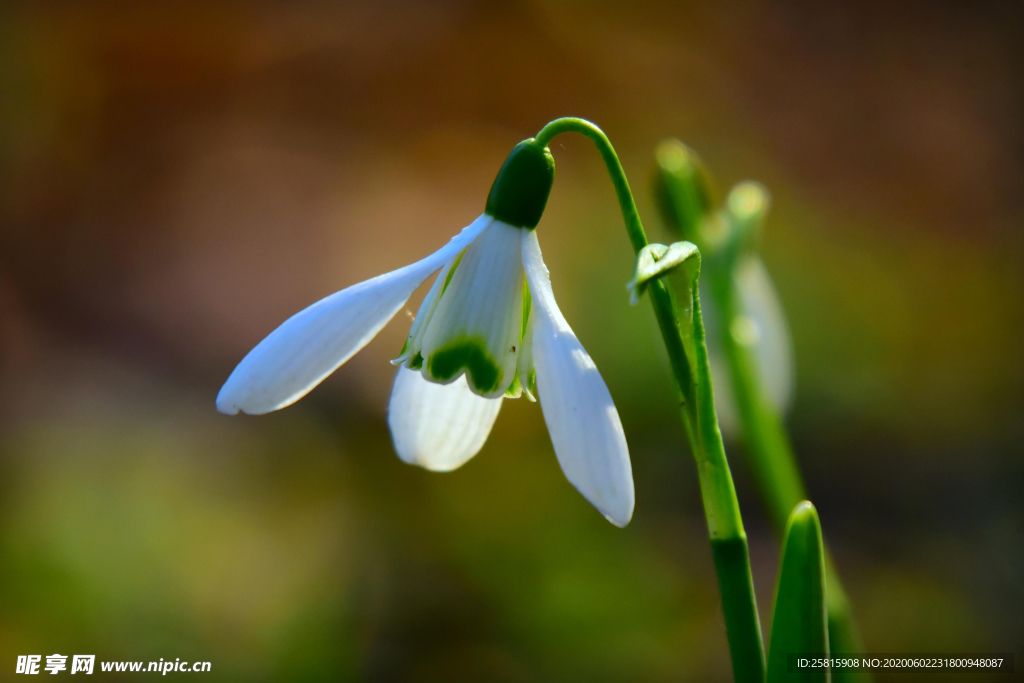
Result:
<point x="773" y="463"/>
<point x="693" y="384"/>
<point x="771" y="458"/>
<point x="634" y="227"/>
<point x="686" y="205"/>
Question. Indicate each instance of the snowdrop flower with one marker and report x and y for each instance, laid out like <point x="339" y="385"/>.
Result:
<point x="488" y="328"/>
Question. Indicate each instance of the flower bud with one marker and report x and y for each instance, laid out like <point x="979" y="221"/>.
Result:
<point x="520" y="191"/>
<point x="746" y="207"/>
<point x="682" y="188"/>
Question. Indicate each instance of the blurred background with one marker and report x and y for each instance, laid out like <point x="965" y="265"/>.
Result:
<point x="176" y="179"/>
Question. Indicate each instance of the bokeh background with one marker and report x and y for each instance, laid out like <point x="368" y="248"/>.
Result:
<point x="178" y="178"/>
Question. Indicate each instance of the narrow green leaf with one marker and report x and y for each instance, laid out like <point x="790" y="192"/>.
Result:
<point x="799" y="624"/>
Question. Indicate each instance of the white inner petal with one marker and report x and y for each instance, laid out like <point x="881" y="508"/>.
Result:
<point x="476" y="326"/>
<point x="414" y="342"/>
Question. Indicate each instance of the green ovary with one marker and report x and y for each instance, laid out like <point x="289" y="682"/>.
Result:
<point x="482" y="372"/>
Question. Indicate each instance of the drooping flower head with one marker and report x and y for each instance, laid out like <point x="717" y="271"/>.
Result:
<point x="489" y="328"/>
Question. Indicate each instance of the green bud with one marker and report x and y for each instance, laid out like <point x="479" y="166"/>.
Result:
<point x="682" y="188"/>
<point x="746" y="207"/>
<point x="520" y="191"/>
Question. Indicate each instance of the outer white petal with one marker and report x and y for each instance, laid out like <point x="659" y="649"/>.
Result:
<point x="581" y="418"/>
<point x="438" y="426"/>
<point x="313" y="343"/>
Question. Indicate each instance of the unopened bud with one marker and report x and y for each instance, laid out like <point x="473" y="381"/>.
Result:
<point x="520" y="191"/>
<point x="682" y="188"/>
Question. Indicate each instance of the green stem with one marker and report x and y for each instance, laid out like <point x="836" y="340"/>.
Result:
<point x="686" y="205"/>
<point x="773" y="463"/>
<point x="771" y="457"/>
<point x="634" y="228"/>
<point x="693" y="383"/>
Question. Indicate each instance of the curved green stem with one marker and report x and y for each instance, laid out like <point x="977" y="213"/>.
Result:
<point x="688" y="358"/>
<point x="634" y="228"/>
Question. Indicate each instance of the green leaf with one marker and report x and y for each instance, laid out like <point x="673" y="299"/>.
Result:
<point x="799" y="624"/>
<point x="657" y="260"/>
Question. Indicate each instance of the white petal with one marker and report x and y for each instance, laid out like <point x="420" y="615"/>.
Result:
<point x="773" y="346"/>
<point x="313" y="343"/>
<point x="525" y="366"/>
<point x="414" y="342"/>
<point x="581" y="418"/>
<point x="762" y="326"/>
<point x="438" y="426"/>
<point x="476" y="326"/>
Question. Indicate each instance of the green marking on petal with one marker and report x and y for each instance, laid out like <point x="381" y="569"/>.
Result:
<point x="515" y="390"/>
<point x="527" y="303"/>
<point x="417" y="361"/>
<point x="482" y="372"/>
<point x="451" y="271"/>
